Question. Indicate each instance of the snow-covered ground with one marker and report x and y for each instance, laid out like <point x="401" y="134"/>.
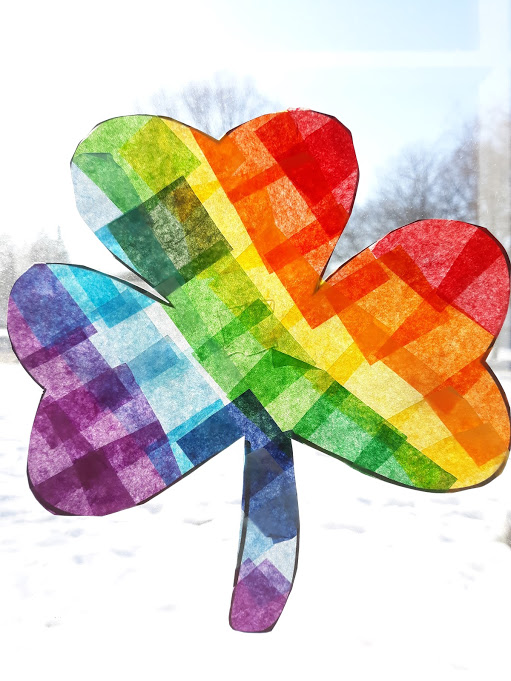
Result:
<point x="392" y="583"/>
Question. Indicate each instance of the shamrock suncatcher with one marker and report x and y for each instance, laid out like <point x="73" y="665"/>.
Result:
<point x="381" y="365"/>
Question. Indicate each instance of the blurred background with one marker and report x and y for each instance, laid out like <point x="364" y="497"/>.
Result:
<point x="391" y="581"/>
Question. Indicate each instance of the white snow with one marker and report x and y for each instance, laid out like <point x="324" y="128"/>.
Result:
<point x="391" y="583"/>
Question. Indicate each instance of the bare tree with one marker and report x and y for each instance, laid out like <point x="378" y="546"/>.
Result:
<point x="47" y="249"/>
<point x="421" y="182"/>
<point x="214" y="106"/>
<point x="8" y="274"/>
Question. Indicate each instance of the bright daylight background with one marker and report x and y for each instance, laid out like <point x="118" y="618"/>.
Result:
<point x="392" y="583"/>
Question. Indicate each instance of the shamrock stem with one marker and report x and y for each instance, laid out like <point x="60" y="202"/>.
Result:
<point x="268" y="548"/>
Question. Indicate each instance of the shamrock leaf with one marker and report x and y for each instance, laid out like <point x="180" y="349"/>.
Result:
<point x="381" y="365"/>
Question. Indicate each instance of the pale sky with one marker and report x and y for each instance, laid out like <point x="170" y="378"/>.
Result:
<point x="395" y="73"/>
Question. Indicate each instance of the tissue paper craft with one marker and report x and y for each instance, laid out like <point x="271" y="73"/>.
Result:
<point x="381" y="365"/>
